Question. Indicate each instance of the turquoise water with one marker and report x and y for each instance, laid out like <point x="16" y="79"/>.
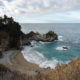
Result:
<point x="50" y="50"/>
<point x="47" y="54"/>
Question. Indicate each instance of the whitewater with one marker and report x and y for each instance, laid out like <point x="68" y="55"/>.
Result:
<point x="50" y="54"/>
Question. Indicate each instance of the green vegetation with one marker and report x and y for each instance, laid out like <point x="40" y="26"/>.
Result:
<point x="10" y="30"/>
<point x="52" y="34"/>
<point x="11" y="35"/>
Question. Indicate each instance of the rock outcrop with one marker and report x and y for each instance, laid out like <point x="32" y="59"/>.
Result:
<point x="11" y="35"/>
<point x="32" y="36"/>
<point x="48" y="37"/>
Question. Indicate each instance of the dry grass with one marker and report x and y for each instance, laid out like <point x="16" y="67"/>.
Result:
<point x="69" y="71"/>
<point x="7" y="74"/>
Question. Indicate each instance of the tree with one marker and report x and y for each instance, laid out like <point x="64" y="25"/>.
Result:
<point x="13" y="29"/>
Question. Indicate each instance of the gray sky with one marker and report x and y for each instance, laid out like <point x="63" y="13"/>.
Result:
<point x="42" y="11"/>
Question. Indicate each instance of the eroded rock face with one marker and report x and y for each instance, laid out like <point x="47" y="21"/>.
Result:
<point x="48" y="37"/>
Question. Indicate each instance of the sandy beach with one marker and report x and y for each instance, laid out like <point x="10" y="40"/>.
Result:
<point x="15" y="61"/>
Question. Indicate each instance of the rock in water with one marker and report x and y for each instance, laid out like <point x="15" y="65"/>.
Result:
<point x="65" y="48"/>
<point x="48" y="37"/>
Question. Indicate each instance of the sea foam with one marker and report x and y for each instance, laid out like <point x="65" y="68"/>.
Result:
<point x="60" y="38"/>
<point x="36" y="57"/>
<point x="62" y="48"/>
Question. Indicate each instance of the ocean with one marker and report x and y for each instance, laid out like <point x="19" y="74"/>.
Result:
<point x="50" y="54"/>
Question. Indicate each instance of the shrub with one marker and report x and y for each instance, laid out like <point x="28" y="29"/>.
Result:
<point x="13" y="29"/>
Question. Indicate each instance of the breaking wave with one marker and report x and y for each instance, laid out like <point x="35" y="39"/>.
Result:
<point x="36" y="57"/>
<point x="60" y="38"/>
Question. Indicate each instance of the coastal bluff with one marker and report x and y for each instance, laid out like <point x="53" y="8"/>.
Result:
<point x="13" y="65"/>
<point x="11" y="35"/>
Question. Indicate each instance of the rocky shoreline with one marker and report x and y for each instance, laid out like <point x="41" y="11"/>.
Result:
<point x="13" y="66"/>
<point x="12" y="39"/>
<point x="35" y="36"/>
<point x="11" y="36"/>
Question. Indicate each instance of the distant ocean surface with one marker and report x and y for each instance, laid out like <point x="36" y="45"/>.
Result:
<point x="50" y="54"/>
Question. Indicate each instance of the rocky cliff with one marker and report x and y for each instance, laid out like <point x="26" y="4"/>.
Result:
<point x="11" y="35"/>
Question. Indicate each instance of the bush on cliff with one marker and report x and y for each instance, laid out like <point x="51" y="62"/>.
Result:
<point x="52" y="34"/>
<point x="30" y="34"/>
<point x="13" y="29"/>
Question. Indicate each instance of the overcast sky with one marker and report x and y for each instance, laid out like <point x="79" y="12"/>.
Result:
<point x="42" y="11"/>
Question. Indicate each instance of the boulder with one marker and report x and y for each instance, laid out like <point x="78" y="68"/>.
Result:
<point x="65" y="48"/>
